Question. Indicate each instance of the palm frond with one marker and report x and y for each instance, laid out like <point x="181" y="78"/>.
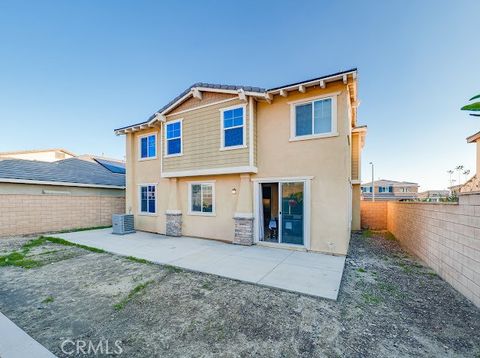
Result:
<point x="474" y="97"/>
<point x="471" y="107"/>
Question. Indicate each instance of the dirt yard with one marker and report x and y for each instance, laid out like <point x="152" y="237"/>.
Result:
<point x="389" y="305"/>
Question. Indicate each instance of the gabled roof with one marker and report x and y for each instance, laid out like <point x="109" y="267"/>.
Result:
<point x="257" y="92"/>
<point x="70" y="172"/>
<point x="316" y="79"/>
<point x="390" y="182"/>
<point x="37" y="151"/>
<point x="473" y="138"/>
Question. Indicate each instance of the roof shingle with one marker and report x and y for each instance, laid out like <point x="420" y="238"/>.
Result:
<point x="72" y="170"/>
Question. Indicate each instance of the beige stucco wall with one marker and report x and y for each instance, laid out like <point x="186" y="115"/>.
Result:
<point x="327" y="160"/>
<point x="47" y="156"/>
<point x="145" y="172"/>
<point x="220" y="226"/>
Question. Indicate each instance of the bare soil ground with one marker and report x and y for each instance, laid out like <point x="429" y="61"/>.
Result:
<point x="389" y="305"/>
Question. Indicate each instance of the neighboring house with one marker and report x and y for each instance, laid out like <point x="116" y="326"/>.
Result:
<point x="39" y="196"/>
<point x="243" y="164"/>
<point x="390" y="190"/>
<point x="455" y="189"/>
<point x="433" y="195"/>
<point x="43" y="155"/>
<point x="473" y="184"/>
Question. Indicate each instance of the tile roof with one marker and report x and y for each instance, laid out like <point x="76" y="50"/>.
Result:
<point x="72" y="170"/>
<point x="381" y="182"/>
<point x="229" y="87"/>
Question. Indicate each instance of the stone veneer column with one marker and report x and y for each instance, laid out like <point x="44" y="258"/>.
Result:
<point x="244" y="213"/>
<point x="173" y="215"/>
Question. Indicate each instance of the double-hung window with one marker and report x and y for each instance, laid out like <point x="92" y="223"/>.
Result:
<point x="173" y="138"/>
<point x="202" y="198"/>
<point x="314" y="118"/>
<point x="233" y="128"/>
<point x="148" y="199"/>
<point x="148" y="146"/>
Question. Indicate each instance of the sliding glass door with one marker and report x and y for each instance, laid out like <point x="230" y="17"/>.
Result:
<point x="291" y="213"/>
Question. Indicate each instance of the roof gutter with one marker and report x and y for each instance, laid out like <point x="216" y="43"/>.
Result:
<point x="59" y="183"/>
<point x="317" y="81"/>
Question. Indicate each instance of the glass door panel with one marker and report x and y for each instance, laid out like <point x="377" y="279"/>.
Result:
<point x="292" y="213"/>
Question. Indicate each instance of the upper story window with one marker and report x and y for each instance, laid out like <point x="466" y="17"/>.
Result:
<point x="148" y="199"/>
<point x="173" y="138"/>
<point x="202" y="198"/>
<point x="233" y="128"/>
<point x="315" y="118"/>
<point x="148" y="146"/>
<point x="385" y="189"/>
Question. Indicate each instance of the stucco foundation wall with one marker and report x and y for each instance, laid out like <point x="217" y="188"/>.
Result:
<point x="28" y="214"/>
<point x="445" y="236"/>
<point x="373" y="215"/>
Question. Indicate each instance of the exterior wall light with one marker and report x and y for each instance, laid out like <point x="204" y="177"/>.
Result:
<point x="234" y="191"/>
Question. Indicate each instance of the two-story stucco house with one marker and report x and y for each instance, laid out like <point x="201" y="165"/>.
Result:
<point x="248" y="165"/>
<point x="385" y="189"/>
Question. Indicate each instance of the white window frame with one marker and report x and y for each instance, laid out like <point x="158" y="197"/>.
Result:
<point x="166" y="155"/>
<point x="307" y="180"/>
<point x="146" y="213"/>
<point x="200" y="213"/>
<point x="146" y="135"/>
<point x="222" y="129"/>
<point x="293" y="106"/>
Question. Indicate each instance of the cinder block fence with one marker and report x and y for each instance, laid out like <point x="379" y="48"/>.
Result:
<point x="22" y="214"/>
<point x="373" y="215"/>
<point x="446" y="236"/>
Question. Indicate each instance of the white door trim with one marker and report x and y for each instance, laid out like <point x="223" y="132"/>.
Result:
<point x="306" y="202"/>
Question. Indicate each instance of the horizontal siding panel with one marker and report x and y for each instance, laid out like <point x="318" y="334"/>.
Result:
<point x="355" y="156"/>
<point x="201" y="141"/>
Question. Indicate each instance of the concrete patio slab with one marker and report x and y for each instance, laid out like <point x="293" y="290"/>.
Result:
<point x="304" y="272"/>
<point x="15" y="343"/>
<point x="309" y="280"/>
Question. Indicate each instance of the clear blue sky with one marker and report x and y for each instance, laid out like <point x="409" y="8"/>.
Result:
<point x="72" y="71"/>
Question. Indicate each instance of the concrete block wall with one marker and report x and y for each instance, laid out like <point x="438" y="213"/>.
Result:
<point x="446" y="236"/>
<point x="373" y="215"/>
<point x="22" y="214"/>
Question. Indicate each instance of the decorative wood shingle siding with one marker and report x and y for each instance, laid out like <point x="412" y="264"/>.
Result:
<point x="207" y="98"/>
<point x="355" y="156"/>
<point x="202" y="141"/>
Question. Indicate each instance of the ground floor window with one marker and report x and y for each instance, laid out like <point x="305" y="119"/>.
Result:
<point x="202" y="198"/>
<point x="147" y="199"/>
